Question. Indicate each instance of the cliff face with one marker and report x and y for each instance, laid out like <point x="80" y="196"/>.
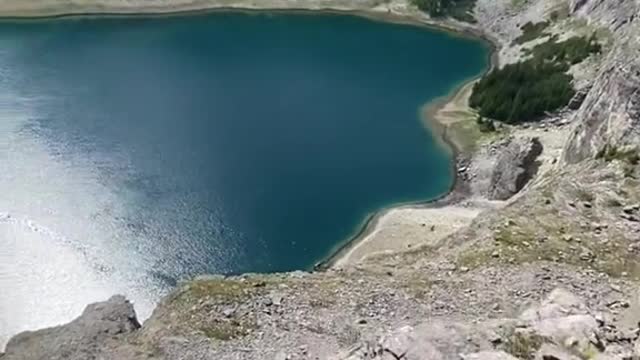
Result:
<point x="486" y="292"/>
<point x="610" y="114"/>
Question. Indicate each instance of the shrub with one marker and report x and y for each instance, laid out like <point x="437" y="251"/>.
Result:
<point x="527" y="90"/>
<point x="431" y="7"/>
<point x="458" y="9"/>
<point x="610" y="153"/>
<point x="571" y="51"/>
<point x="531" y="31"/>
<point x="522" y="91"/>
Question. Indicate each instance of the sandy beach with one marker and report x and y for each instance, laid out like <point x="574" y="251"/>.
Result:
<point x="405" y="229"/>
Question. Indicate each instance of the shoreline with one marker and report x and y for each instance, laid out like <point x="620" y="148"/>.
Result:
<point x="433" y="121"/>
<point x="459" y="189"/>
<point x="409" y="18"/>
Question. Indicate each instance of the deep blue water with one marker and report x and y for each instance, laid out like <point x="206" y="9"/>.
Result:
<point x="147" y="150"/>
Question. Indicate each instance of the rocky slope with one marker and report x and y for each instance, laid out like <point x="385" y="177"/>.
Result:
<point x="551" y="273"/>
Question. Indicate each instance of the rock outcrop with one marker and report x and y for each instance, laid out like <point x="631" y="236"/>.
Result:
<point x="516" y="164"/>
<point x="87" y="337"/>
<point x="561" y="327"/>
<point x="610" y="113"/>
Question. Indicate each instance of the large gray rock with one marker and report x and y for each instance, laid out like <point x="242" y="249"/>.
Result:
<point x="559" y="303"/>
<point x="563" y="318"/>
<point x="407" y="343"/>
<point x="86" y="337"/>
<point x="515" y="166"/>
<point x="573" y="331"/>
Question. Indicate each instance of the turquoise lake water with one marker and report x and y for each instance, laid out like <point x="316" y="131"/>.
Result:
<point x="135" y="152"/>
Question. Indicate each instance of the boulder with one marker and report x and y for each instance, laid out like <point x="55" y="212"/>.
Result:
<point x="573" y="331"/>
<point x="83" y="338"/>
<point x="515" y="166"/>
<point x="559" y="303"/>
<point x="406" y="343"/>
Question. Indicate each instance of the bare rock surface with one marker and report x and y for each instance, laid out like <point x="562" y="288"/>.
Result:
<point x="558" y="336"/>
<point x="515" y="166"/>
<point x="610" y="114"/>
<point x="87" y="337"/>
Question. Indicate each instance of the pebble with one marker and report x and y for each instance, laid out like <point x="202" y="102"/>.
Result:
<point x="571" y="342"/>
<point x="276" y="299"/>
<point x="228" y="312"/>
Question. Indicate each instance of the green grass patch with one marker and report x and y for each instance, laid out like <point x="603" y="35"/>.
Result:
<point x="227" y="330"/>
<point x="467" y="135"/>
<point x="523" y="345"/>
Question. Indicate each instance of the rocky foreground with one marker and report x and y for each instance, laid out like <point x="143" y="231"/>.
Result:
<point x="562" y="326"/>
<point x="548" y="270"/>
